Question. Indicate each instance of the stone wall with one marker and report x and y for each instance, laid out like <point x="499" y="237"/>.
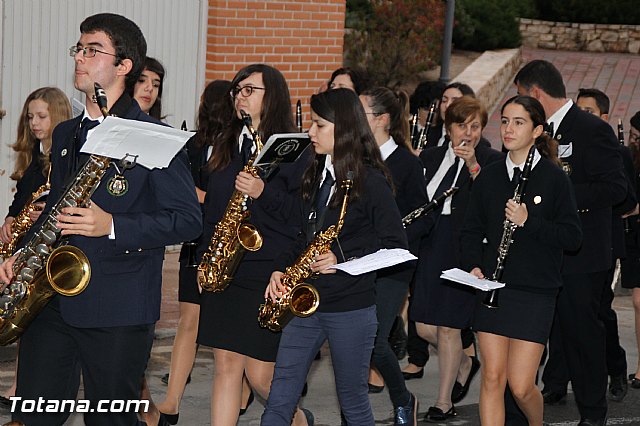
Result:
<point x="491" y="74"/>
<point x="580" y="37"/>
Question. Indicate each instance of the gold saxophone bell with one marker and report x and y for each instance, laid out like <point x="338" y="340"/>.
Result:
<point x="68" y="270"/>
<point x="249" y="237"/>
<point x="304" y="300"/>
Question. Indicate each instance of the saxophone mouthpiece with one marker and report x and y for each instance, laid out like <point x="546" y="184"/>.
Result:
<point x="101" y="99"/>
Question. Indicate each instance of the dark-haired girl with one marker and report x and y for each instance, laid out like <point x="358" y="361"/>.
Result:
<point x="148" y="89"/>
<point x="386" y="113"/>
<point x="228" y="319"/>
<point x="346" y="317"/>
<point x="512" y="337"/>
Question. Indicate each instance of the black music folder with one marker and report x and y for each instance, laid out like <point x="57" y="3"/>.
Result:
<point x="282" y="148"/>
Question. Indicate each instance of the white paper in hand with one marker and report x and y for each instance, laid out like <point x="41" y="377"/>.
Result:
<point x="383" y="258"/>
<point x="153" y="144"/>
<point x="463" y="277"/>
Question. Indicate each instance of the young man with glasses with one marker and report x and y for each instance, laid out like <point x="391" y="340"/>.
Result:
<point x="105" y="332"/>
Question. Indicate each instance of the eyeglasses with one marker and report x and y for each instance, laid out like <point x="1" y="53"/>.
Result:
<point x="87" y="52"/>
<point x="245" y="91"/>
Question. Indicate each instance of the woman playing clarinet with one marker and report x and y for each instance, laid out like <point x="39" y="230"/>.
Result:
<point x="512" y="336"/>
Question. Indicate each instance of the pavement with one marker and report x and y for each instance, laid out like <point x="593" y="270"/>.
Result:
<point x="617" y="75"/>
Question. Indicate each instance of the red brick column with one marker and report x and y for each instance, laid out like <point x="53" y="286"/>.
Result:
<point x="301" y="38"/>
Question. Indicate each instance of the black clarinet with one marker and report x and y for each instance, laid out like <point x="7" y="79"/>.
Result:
<point x="413" y="128"/>
<point x="299" y="116"/>
<point x="422" y="140"/>
<point x="428" y="207"/>
<point x="491" y="299"/>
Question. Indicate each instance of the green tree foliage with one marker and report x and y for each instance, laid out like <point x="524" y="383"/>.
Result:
<point x="489" y="24"/>
<point x="394" y="39"/>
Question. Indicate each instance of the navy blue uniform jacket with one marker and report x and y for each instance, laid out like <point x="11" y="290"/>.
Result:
<point x="160" y="208"/>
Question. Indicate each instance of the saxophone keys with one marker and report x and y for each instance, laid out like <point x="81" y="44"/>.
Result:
<point x="49" y="236"/>
<point x="26" y="274"/>
<point x="42" y="249"/>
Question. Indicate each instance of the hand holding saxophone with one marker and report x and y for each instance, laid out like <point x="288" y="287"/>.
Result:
<point x="6" y="271"/>
<point x="322" y="262"/>
<point x="516" y="213"/>
<point x="89" y="221"/>
<point x="275" y="289"/>
<point x="249" y="184"/>
<point x="36" y="212"/>
<point x="5" y="230"/>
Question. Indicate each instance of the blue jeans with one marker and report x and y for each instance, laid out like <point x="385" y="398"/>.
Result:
<point x="351" y="336"/>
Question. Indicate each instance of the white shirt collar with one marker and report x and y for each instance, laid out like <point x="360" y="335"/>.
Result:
<point x="85" y="114"/>
<point x="241" y="139"/>
<point x="510" y="164"/>
<point x="328" y="165"/>
<point x="387" y="148"/>
<point x="558" y="116"/>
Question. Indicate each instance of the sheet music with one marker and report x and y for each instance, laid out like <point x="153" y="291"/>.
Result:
<point x="463" y="277"/>
<point x="383" y="258"/>
<point x="153" y="144"/>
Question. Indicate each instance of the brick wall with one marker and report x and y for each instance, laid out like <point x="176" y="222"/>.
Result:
<point x="301" y="38"/>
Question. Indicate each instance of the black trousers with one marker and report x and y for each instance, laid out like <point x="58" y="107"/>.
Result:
<point x="112" y="361"/>
<point x="584" y="340"/>
<point x="556" y="375"/>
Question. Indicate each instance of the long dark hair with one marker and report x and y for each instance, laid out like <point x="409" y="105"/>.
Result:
<point x="153" y="65"/>
<point x="276" y="115"/>
<point x="359" y="77"/>
<point x="354" y="146"/>
<point x="395" y="103"/>
<point x="215" y="112"/>
<point x="545" y="144"/>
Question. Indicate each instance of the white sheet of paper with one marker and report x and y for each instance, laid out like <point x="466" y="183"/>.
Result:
<point x="383" y="258"/>
<point x="463" y="277"/>
<point x="155" y="145"/>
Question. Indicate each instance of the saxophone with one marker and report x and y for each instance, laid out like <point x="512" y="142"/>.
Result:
<point x="491" y="299"/>
<point x="232" y="234"/>
<point x="302" y="299"/>
<point x="46" y="266"/>
<point x="22" y="222"/>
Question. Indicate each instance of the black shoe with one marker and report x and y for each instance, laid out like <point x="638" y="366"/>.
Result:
<point x="635" y="382"/>
<point x="249" y="401"/>
<point x="375" y="388"/>
<point x="436" y="415"/>
<point x="416" y="375"/>
<point x="459" y="390"/>
<point x="405" y="415"/>
<point x="165" y="379"/>
<point x="398" y="338"/>
<point x="552" y="397"/>
<point x="618" y="387"/>
<point x="168" y="419"/>
<point x="592" y="422"/>
<point x="309" y="416"/>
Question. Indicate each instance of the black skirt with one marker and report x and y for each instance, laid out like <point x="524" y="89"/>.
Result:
<point x="434" y="300"/>
<point x="187" y="277"/>
<point x="630" y="267"/>
<point x="521" y="315"/>
<point x="229" y="320"/>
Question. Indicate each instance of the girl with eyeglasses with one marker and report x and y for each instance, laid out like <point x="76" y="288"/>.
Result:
<point x="228" y="319"/>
